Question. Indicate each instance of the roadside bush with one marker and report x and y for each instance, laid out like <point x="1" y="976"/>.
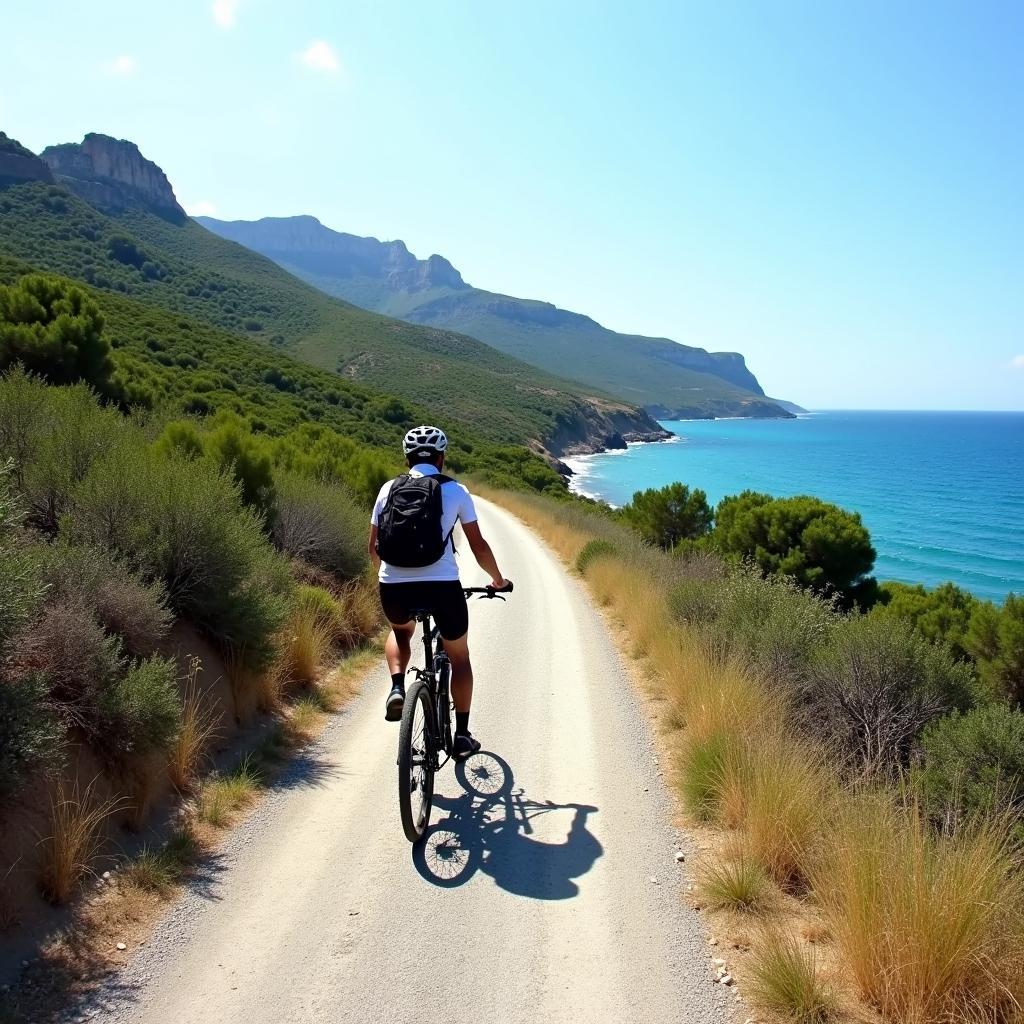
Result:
<point x="183" y="522"/>
<point x="320" y="524"/>
<point x="877" y="685"/>
<point x="245" y="458"/>
<point x="125" y="605"/>
<point x="30" y="735"/>
<point x="593" y="550"/>
<point x="70" y="649"/>
<point x="770" y="623"/>
<point x="996" y="639"/>
<point x="667" y="515"/>
<point x="74" y="431"/>
<point x="973" y="763"/>
<point x="20" y="586"/>
<point x="141" y="710"/>
<point x="819" y="544"/>
<point x="942" y="615"/>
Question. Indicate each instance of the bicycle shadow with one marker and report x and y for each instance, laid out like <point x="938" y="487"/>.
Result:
<point x="488" y="828"/>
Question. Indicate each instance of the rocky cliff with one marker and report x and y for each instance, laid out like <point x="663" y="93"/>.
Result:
<point x="113" y="175"/>
<point x="20" y="164"/>
<point x="322" y="252"/>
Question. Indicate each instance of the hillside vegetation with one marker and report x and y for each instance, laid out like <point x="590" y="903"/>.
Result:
<point x="173" y="264"/>
<point x="668" y="379"/>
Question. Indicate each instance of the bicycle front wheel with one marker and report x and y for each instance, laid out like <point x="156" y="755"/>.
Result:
<point x="416" y="761"/>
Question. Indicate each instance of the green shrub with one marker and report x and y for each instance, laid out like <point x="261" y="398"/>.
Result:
<point x="124" y="604"/>
<point x="592" y="551"/>
<point x="58" y="434"/>
<point x="973" y="763"/>
<point x="247" y="459"/>
<point x="20" y="586"/>
<point x="667" y="515"/>
<point x="996" y="639"/>
<point x="69" y="647"/>
<point x="942" y="615"/>
<point x="769" y="622"/>
<point x="819" y="544"/>
<point x="878" y="684"/>
<point x="54" y="329"/>
<point x="30" y="734"/>
<point x="142" y="709"/>
<point x="320" y="524"/>
<point x="317" y="603"/>
<point x="183" y="522"/>
<point x="182" y="437"/>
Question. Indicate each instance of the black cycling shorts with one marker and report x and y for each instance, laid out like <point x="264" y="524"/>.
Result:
<point x="444" y="599"/>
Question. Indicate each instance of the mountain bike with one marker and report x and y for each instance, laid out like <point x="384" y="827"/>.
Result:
<point x="425" y="736"/>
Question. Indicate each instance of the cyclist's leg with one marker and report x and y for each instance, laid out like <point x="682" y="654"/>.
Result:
<point x="452" y="616"/>
<point x="398" y="647"/>
<point x="462" y="672"/>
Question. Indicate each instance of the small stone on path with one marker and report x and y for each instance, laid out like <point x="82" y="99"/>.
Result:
<point x="121" y="946"/>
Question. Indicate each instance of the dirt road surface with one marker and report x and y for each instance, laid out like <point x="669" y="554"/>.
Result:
<point x="547" y="889"/>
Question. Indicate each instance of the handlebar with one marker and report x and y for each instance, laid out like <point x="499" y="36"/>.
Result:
<point x="488" y="592"/>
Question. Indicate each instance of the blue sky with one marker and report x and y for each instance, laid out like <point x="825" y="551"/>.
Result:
<point x="834" y="189"/>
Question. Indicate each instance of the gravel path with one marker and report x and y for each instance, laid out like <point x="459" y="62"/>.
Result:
<point x="555" y="898"/>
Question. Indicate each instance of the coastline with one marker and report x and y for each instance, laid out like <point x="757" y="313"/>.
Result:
<point x="579" y="465"/>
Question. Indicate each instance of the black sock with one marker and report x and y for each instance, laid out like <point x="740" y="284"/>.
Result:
<point x="398" y="679"/>
<point x="462" y="721"/>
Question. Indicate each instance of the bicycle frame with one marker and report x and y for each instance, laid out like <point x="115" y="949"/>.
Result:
<point x="437" y="675"/>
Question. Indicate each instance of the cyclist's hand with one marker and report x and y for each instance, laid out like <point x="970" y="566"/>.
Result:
<point x="500" y="584"/>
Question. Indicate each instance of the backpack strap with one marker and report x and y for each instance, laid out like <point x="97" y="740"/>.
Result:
<point x="442" y="479"/>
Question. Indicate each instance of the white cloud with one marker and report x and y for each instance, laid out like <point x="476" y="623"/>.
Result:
<point x="320" y="57"/>
<point x="1017" y="362"/>
<point x="124" y="65"/>
<point x="202" y="208"/>
<point x="225" y="12"/>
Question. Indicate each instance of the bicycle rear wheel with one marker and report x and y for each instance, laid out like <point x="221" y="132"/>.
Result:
<point x="416" y="760"/>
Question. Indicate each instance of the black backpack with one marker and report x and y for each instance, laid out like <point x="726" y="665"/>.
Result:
<point x="409" y="526"/>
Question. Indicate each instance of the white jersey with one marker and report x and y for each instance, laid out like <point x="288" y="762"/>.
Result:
<point x="456" y="506"/>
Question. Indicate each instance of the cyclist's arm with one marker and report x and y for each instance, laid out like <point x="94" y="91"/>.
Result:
<point x="374" y="558"/>
<point x="483" y="554"/>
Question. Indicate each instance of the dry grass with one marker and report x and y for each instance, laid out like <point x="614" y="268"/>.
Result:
<point x="788" y="796"/>
<point x="200" y="724"/>
<point x="932" y="926"/>
<point x="738" y="883"/>
<point x="304" y="647"/>
<point x="77" y="820"/>
<point x="222" y="797"/>
<point x="160" y="870"/>
<point x="784" y="979"/>
<point x="305" y="718"/>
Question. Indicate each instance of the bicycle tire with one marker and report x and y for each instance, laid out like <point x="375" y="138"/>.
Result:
<point x="413" y="776"/>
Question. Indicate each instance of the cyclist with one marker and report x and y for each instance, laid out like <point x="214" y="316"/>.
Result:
<point x="434" y="586"/>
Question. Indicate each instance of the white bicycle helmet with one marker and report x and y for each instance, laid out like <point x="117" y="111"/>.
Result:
<point x="424" y="438"/>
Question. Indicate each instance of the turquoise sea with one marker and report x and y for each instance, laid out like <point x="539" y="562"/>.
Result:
<point x="941" y="492"/>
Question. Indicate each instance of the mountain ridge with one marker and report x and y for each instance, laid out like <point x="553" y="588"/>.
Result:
<point x="676" y="380"/>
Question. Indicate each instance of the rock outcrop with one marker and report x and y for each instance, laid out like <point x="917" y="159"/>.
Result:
<point x="305" y="243"/>
<point x="20" y="164"/>
<point x="113" y="175"/>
